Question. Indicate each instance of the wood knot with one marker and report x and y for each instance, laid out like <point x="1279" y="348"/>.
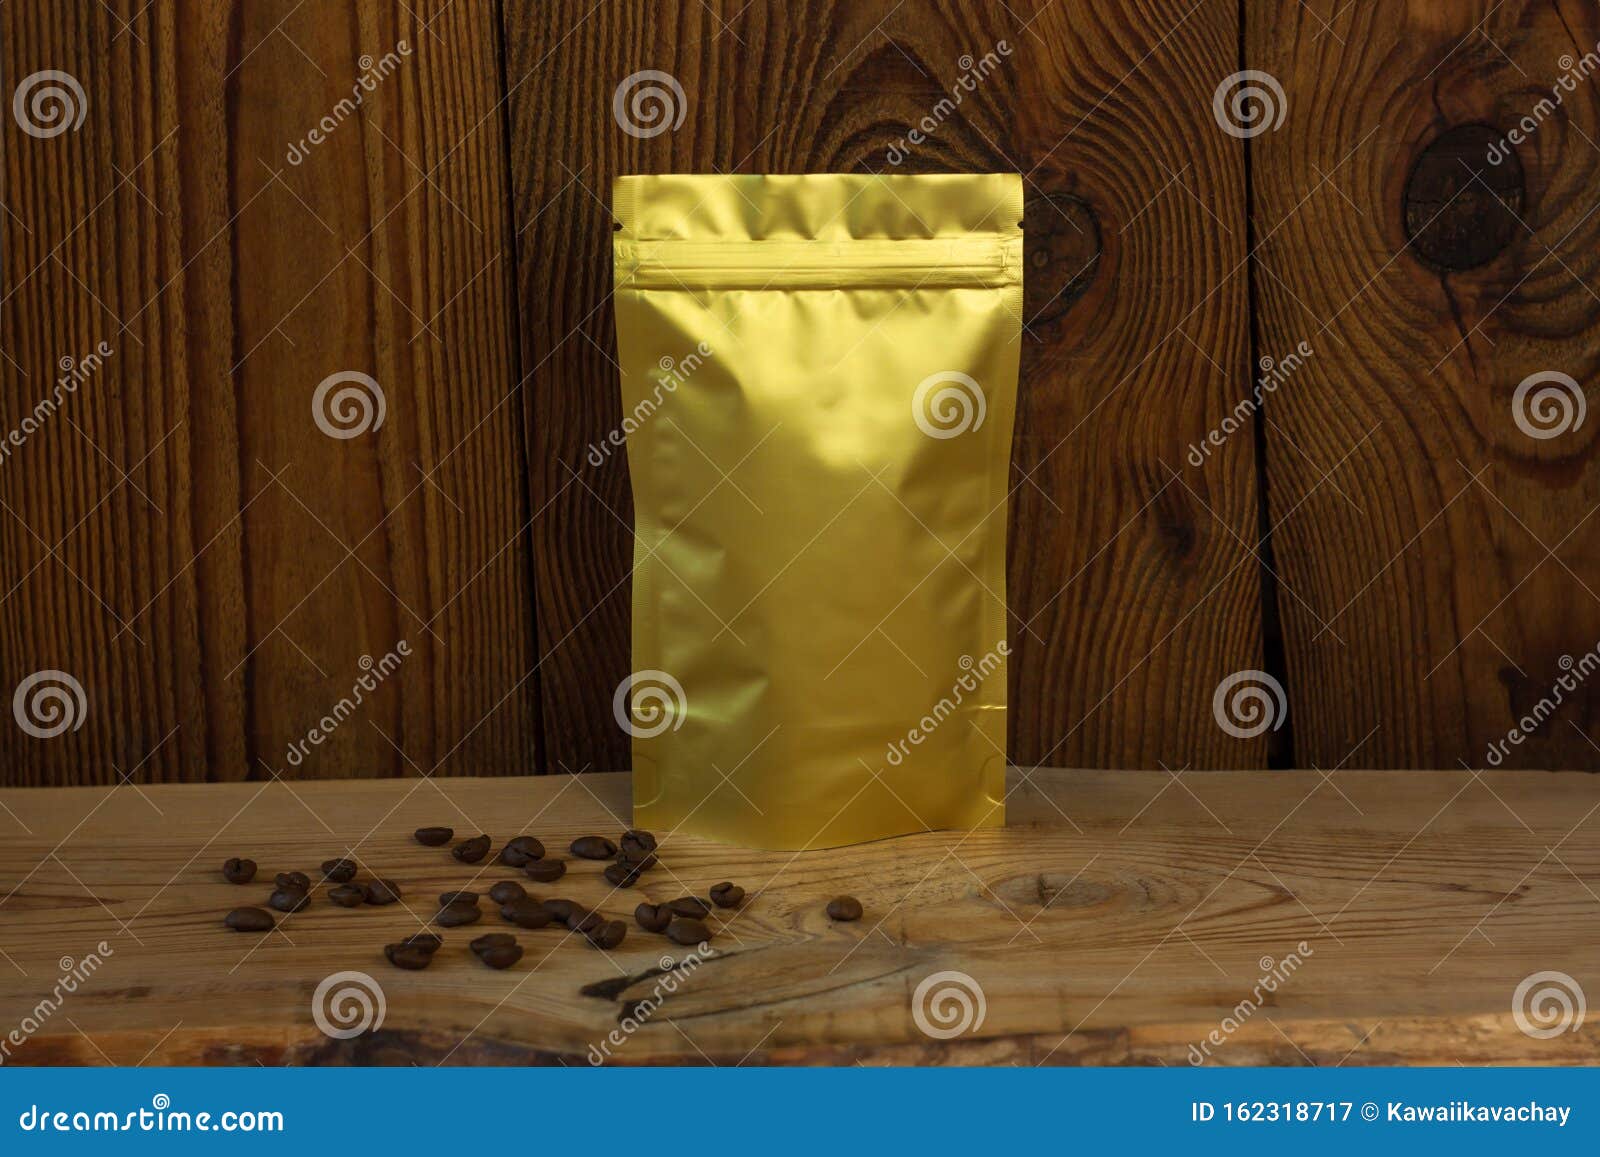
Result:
<point x="1061" y="250"/>
<point x="1464" y="198"/>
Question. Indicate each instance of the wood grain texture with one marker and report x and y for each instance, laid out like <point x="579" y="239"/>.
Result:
<point x="1132" y="591"/>
<point x="1413" y="906"/>
<point x="234" y="269"/>
<point x="98" y="509"/>
<point x="1444" y="559"/>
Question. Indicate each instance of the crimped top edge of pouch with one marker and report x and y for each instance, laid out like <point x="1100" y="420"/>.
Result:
<point x="818" y="207"/>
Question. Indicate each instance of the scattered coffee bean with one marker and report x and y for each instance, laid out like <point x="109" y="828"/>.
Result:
<point x="506" y="891"/>
<point x="593" y="848"/>
<point x="560" y="910"/>
<point x="434" y="837"/>
<point x="456" y="915"/>
<point x="623" y="874"/>
<point x="249" y="920"/>
<point x="348" y="895"/>
<point x="294" y="880"/>
<point x="501" y="955"/>
<point x="683" y="930"/>
<point x="289" y="899"/>
<point x="381" y="892"/>
<point x="491" y="940"/>
<point x="526" y="913"/>
<point x="427" y="941"/>
<point x="636" y="844"/>
<point x="411" y="957"/>
<point x="726" y="894"/>
<point x="545" y="871"/>
<point x="448" y="898"/>
<point x="237" y="871"/>
<point x="581" y="921"/>
<point x="690" y="907"/>
<point x="844" y="908"/>
<point x="643" y="864"/>
<point x="653" y="917"/>
<point x="338" y="871"/>
<point x="471" y="851"/>
<point x="521" y="851"/>
<point x="607" y="934"/>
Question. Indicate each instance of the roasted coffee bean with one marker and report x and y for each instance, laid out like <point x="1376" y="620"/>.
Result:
<point x="348" y="895"/>
<point x="581" y="921"/>
<point x="520" y="851"/>
<point x="448" y="898"/>
<point x="294" y="880"/>
<point x="289" y="899"/>
<point x="623" y="874"/>
<point x="471" y="851"/>
<point x="642" y="864"/>
<point x="607" y="934"/>
<point x="249" y="920"/>
<point x="593" y="848"/>
<point x="434" y="837"/>
<point x="560" y="909"/>
<point x="545" y="871"/>
<point x="691" y="907"/>
<point x="491" y="940"/>
<point x="726" y="894"/>
<point x="637" y="844"/>
<point x="237" y="871"/>
<point x="501" y="955"/>
<point x="844" y="908"/>
<point x="506" y="891"/>
<point x="526" y="913"/>
<point x="683" y="930"/>
<point x="426" y="941"/>
<point x="338" y="871"/>
<point x="411" y="957"/>
<point x="383" y="892"/>
<point x="653" y="917"/>
<point x="456" y="915"/>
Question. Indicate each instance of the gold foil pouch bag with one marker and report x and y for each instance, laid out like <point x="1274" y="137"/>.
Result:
<point x="818" y="383"/>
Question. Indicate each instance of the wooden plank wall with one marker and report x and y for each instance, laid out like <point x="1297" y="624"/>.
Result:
<point x="1381" y="537"/>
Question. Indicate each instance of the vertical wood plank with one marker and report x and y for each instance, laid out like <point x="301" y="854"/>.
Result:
<point x="1444" y="557"/>
<point x="1137" y="574"/>
<point x="1135" y="588"/>
<point x="240" y="279"/>
<point x="99" y="514"/>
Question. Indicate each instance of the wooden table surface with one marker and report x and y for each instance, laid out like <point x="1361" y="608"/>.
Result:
<point x="1118" y="919"/>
